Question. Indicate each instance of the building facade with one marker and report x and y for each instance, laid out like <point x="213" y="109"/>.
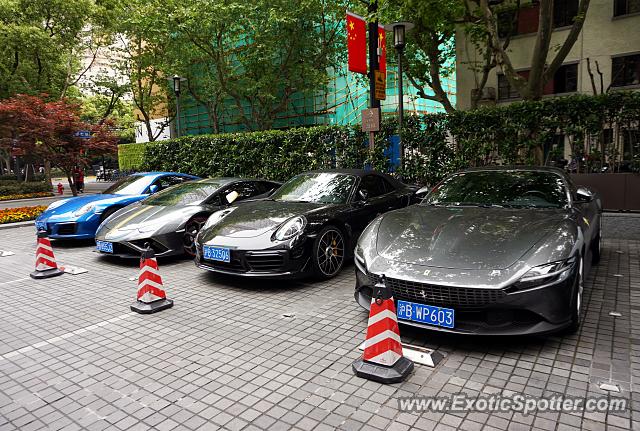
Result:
<point x="608" y="45"/>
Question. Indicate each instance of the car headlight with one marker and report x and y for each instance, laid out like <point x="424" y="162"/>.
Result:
<point x="547" y="273"/>
<point x="291" y="228"/>
<point x="217" y="216"/>
<point x="83" y="210"/>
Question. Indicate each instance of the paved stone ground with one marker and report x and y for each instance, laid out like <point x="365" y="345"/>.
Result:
<point x="72" y="355"/>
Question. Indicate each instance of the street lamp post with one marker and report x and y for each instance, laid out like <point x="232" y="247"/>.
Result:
<point x="399" y="29"/>
<point x="177" y="82"/>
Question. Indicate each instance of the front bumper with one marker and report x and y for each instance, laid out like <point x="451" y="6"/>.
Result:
<point x="169" y="244"/>
<point x="71" y="228"/>
<point x="278" y="262"/>
<point x="482" y="311"/>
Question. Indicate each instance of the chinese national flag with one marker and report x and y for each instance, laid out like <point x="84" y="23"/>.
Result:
<point x="382" y="46"/>
<point x="357" y="43"/>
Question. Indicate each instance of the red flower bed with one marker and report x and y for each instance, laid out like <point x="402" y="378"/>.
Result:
<point x="12" y="215"/>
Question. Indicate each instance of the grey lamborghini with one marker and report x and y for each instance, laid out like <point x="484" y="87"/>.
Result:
<point x="170" y="220"/>
<point x="501" y="250"/>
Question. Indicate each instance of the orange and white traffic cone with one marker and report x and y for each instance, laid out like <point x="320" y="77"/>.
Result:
<point x="46" y="265"/>
<point x="382" y="360"/>
<point x="151" y="296"/>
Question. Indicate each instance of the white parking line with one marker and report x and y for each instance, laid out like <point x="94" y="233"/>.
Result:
<point x="14" y="281"/>
<point x="64" y="336"/>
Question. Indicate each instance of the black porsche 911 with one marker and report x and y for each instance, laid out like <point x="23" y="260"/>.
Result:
<point x="310" y="225"/>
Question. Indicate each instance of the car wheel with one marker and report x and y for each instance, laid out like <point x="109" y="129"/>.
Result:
<point x="105" y="215"/>
<point x="576" y="304"/>
<point x="191" y="230"/>
<point x="596" y="245"/>
<point x="328" y="253"/>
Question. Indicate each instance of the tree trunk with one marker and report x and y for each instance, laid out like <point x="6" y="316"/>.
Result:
<point x="72" y="185"/>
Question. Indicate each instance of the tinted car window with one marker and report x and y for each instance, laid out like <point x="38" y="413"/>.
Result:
<point x="245" y="190"/>
<point x="322" y="187"/>
<point x="132" y="185"/>
<point x="373" y="185"/>
<point x="505" y="188"/>
<point x="183" y="194"/>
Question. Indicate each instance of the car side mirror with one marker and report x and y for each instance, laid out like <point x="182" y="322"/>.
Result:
<point x="584" y="195"/>
<point x="153" y="188"/>
<point x="422" y="192"/>
<point x="232" y="196"/>
<point x="363" y="196"/>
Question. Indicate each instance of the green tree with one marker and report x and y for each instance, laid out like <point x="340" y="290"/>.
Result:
<point x="42" y="43"/>
<point x="262" y="52"/>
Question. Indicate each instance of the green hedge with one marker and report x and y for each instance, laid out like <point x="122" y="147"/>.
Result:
<point x="19" y="188"/>
<point x="435" y="144"/>
<point x="131" y="156"/>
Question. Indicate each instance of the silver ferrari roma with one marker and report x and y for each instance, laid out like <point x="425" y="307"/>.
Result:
<point x="170" y="220"/>
<point x="489" y="251"/>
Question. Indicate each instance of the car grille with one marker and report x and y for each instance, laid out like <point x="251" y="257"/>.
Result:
<point x="66" y="228"/>
<point x="234" y="266"/>
<point x="444" y="296"/>
<point x="271" y="261"/>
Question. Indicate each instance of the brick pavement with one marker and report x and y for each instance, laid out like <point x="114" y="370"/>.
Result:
<point x="237" y="354"/>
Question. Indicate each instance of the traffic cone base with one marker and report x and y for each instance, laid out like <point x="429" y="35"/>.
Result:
<point x="151" y="295"/>
<point x="151" y="307"/>
<point x="46" y="265"/>
<point x="382" y="360"/>
<point x="46" y="273"/>
<point x="381" y="373"/>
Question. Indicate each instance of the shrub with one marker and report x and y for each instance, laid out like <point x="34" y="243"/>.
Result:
<point x="434" y="144"/>
<point x="8" y="188"/>
<point x="26" y="196"/>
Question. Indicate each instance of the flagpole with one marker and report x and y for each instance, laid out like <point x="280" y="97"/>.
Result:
<point x="373" y="62"/>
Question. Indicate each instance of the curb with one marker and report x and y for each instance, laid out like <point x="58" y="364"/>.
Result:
<point x="33" y="199"/>
<point x="17" y="224"/>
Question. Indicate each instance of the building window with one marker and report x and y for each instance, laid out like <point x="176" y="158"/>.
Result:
<point x="564" y="11"/>
<point x="626" y="7"/>
<point x="505" y="91"/>
<point x="625" y="70"/>
<point x="565" y="80"/>
<point x="630" y="144"/>
<point x="527" y="21"/>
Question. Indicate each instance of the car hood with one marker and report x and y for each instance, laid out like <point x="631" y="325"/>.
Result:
<point x="152" y="217"/>
<point x="70" y="205"/>
<point x="465" y="237"/>
<point x="252" y="219"/>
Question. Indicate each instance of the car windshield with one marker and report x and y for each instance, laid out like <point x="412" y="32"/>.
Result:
<point x="508" y="188"/>
<point x="183" y="194"/>
<point x="326" y="188"/>
<point x="131" y="185"/>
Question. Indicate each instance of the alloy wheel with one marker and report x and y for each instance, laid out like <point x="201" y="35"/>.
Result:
<point x="330" y="252"/>
<point x="190" y="232"/>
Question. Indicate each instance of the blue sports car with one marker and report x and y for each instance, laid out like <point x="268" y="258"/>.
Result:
<point x="79" y="217"/>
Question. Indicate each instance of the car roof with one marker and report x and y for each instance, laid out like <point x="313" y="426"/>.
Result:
<point x="516" y="168"/>
<point x="228" y="180"/>
<point x="355" y="172"/>
<point x="158" y="173"/>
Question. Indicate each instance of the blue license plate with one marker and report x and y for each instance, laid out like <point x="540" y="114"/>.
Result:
<point x="219" y="254"/>
<point x="40" y="225"/>
<point x="104" y="246"/>
<point x="429" y="314"/>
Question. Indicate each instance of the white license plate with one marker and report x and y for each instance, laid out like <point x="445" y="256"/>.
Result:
<point x="429" y="314"/>
<point x="219" y="254"/>
<point x="104" y="246"/>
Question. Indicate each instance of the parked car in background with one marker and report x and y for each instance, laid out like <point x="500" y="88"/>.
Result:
<point x="308" y="226"/>
<point x="169" y="221"/>
<point x="79" y="217"/>
<point x="489" y="251"/>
